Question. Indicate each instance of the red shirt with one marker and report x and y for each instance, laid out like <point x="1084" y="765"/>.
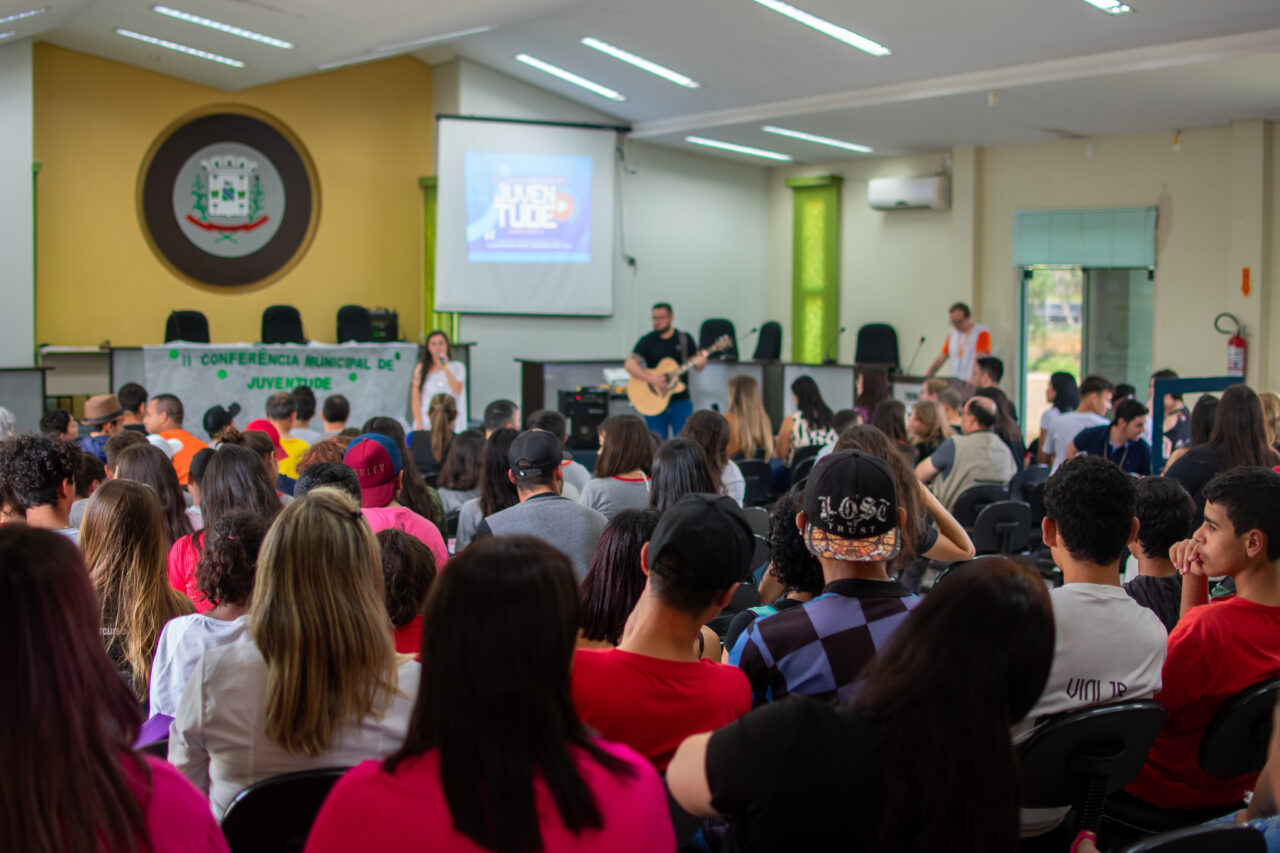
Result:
<point x="183" y="557"/>
<point x="409" y="638"/>
<point x="1214" y="652"/>
<point x="651" y="704"/>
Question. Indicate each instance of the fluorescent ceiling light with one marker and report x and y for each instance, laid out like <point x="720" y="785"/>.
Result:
<point x="570" y="77"/>
<point x="180" y="48"/>
<point x="821" y="140"/>
<point x="740" y="149"/>
<point x="822" y="25"/>
<point x="1111" y="7"/>
<point x="6" y="35"/>
<point x="221" y="27"/>
<point x="641" y="63"/>
<point x="20" y="15"/>
<point x="407" y="45"/>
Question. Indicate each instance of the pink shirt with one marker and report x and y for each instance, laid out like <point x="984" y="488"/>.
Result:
<point x="373" y="810"/>
<point x="403" y="518"/>
<point x="177" y="815"/>
<point x="183" y="557"/>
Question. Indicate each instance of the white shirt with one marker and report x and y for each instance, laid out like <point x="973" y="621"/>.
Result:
<point x="1050" y="415"/>
<point x="963" y="348"/>
<point x="438" y="383"/>
<point x="1063" y="430"/>
<point x="218" y="738"/>
<point x="735" y="485"/>
<point x="182" y="642"/>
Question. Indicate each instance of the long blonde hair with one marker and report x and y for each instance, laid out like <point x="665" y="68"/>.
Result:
<point x="750" y="428"/>
<point x="319" y="620"/>
<point x="1271" y="414"/>
<point x="126" y="549"/>
<point x="442" y="412"/>
<point x="929" y="414"/>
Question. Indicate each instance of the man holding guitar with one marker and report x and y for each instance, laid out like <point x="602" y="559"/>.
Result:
<point x="665" y="342"/>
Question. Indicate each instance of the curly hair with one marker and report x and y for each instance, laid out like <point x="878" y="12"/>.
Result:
<point x="408" y="569"/>
<point x="34" y="466"/>
<point x="1093" y="504"/>
<point x="1165" y="515"/>
<point x="229" y="561"/>
<point x="794" y="565"/>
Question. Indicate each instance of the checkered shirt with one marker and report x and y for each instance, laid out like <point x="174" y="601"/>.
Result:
<point x="819" y="649"/>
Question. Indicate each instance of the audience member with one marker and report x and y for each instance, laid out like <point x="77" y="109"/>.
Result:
<point x="218" y="421"/>
<point x="1006" y="424"/>
<point x="1063" y="396"/>
<point x="711" y="432"/>
<point x="1165" y="514"/>
<point x="1177" y="426"/>
<point x="1120" y="441"/>
<point x="91" y="474"/>
<point x="750" y="432"/>
<point x="261" y="437"/>
<point x="497" y="491"/>
<point x="122" y="440"/>
<point x="653" y="690"/>
<point x="435" y="373"/>
<point x="976" y="457"/>
<point x="1123" y="391"/>
<point x="810" y="423"/>
<point x="428" y="446"/>
<point x="379" y="468"/>
<point x="195" y="474"/>
<point x="304" y="400"/>
<point x="534" y="466"/>
<point x="840" y="422"/>
<point x="501" y="414"/>
<point x="408" y="569"/>
<point x="615" y="579"/>
<point x="932" y="387"/>
<point x="58" y="423"/>
<point x="124" y="546"/>
<point x="1095" y="399"/>
<point x="1219" y="647"/>
<point x="40" y="471"/>
<point x="951" y="402"/>
<point x="337" y="475"/>
<point x="330" y="449"/>
<point x="73" y="781"/>
<point x="890" y="417"/>
<point x="148" y="466"/>
<point x="623" y="467"/>
<point x="851" y="522"/>
<point x="680" y="467"/>
<point x="414" y="492"/>
<point x="224" y="575"/>
<point x="1108" y="646"/>
<point x="319" y="685"/>
<point x="133" y="399"/>
<point x="920" y="760"/>
<point x="989" y="372"/>
<point x="927" y="429"/>
<point x="11" y="509"/>
<point x="335" y="413"/>
<point x="871" y="389"/>
<point x="1203" y="414"/>
<point x="496" y="757"/>
<point x="104" y="416"/>
<point x="164" y="418"/>
<point x="459" y="479"/>
<point x="282" y="412"/>
<point x="575" y="473"/>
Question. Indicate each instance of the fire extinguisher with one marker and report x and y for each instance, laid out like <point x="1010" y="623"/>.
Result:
<point x="1237" y="349"/>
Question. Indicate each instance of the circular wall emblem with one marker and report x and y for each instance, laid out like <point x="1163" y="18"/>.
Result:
<point x="228" y="197"/>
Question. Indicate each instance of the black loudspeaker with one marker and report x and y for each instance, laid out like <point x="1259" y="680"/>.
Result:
<point x="385" y="325"/>
<point x="585" y="409"/>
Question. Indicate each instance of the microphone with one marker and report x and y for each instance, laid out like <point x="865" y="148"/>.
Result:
<point x="916" y="355"/>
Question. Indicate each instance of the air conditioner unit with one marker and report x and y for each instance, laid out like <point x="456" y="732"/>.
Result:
<point x="933" y="193"/>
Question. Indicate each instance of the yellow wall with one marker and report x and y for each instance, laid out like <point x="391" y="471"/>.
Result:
<point x="369" y="130"/>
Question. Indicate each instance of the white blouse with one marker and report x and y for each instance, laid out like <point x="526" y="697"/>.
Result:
<point x="438" y="383"/>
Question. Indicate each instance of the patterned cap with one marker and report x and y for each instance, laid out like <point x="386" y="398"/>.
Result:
<point x="851" y="503"/>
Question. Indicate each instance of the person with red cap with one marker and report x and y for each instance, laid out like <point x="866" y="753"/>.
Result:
<point x="378" y="467"/>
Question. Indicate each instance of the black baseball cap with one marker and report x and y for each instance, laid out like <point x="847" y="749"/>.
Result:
<point x="851" y="503"/>
<point x="218" y="418"/>
<point x="712" y="537"/>
<point x="535" y="452"/>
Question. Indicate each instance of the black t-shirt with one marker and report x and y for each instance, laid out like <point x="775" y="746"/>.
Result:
<point x="1162" y="596"/>
<point x="653" y="348"/>
<point x="1194" y="469"/>
<point x="797" y="774"/>
<point x="745" y="617"/>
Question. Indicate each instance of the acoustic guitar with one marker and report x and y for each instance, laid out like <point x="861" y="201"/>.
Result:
<point x="650" y="400"/>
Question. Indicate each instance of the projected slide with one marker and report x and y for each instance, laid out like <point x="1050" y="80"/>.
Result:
<point x="528" y="208"/>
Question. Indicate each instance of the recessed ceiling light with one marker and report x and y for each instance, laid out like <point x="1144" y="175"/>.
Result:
<point x="221" y="27"/>
<point x="822" y="25"/>
<point x="406" y="45"/>
<point x="570" y="77"/>
<point x="821" y="140"/>
<point x="1111" y="7"/>
<point x="180" y="48"/>
<point x="641" y="63"/>
<point x="740" y="149"/>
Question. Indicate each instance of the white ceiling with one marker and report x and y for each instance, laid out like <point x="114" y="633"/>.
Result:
<point x="1059" y="67"/>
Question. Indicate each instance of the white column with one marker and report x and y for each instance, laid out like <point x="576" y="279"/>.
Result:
<point x="17" y="217"/>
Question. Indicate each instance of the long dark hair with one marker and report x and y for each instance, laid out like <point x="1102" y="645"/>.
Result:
<point x="1066" y="394"/>
<point x="614" y="579"/>
<point x="875" y="389"/>
<point x="67" y="738"/>
<point x="870" y="439"/>
<point x="414" y="491"/>
<point x="711" y="431"/>
<point x="235" y="481"/>
<point x="494" y="698"/>
<point x="463" y="461"/>
<point x="497" y="492"/>
<point x="1203" y="414"/>
<point x="679" y="467"/>
<point x="626" y="447"/>
<point x="147" y="464"/>
<point x="890" y="417"/>
<point x="967" y="664"/>
<point x="428" y="361"/>
<point x="809" y="401"/>
<point x="1240" y="428"/>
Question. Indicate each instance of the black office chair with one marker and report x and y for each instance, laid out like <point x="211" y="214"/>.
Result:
<point x="1032" y="475"/>
<point x="451" y="524"/>
<point x="1003" y="527"/>
<point x="1216" y="837"/>
<point x="1078" y="758"/>
<point x="759" y="479"/>
<point x="769" y="342"/>
<point x="758" y="518"/>
<point x="282" y="324"/>
<point x="191" y="326"/>
<point x="877" y="344"/>
<point x="971" y="501"/>
<point x="714" y="329"/>
<point x="801" y="471"/>
<point x="803" y="453"/>
<point x="275" y="815"/>
<point x="158" y="748"/>
<point x="354" y="324"/>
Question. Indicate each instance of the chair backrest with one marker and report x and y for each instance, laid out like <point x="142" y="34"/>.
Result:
<point x="801" y="471"/>
<point x="1003" y="527"/>
<point x="712" y="330"/>
<point x="769" y="342"/>
<point x="190" y="326"/>
<point x="354" y="324"/>
<point x="1218" y="837"/>
<point x="1078" y="758"/>
<point x="282" y="324"/>
<point x="1235" y="741"/>
<point x="759" y="481"/>
<point x="805" y="453"/>
<point x="758" y="518"/>
<point x="275" y="815"/>
<point x="451" y="523"/>
<point x="1032" y="475"/>
<point x="877" y="344"/>
<point x="971" y="501"/>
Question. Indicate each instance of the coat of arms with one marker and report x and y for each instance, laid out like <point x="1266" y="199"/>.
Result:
<point x="227" y="196"/>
